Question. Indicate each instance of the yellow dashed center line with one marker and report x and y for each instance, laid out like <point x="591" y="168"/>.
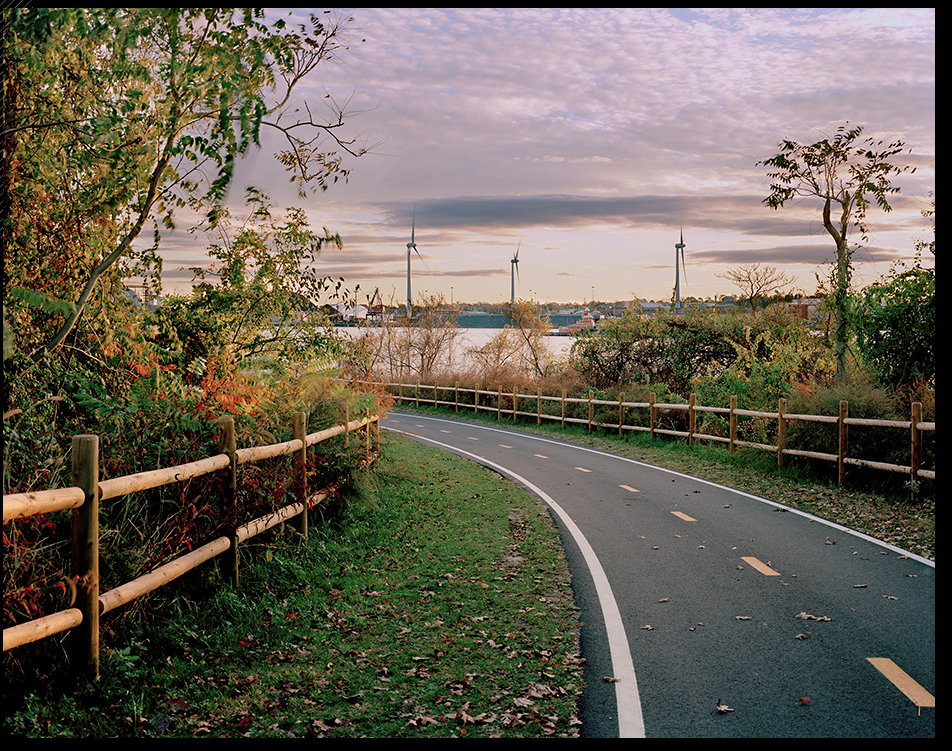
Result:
<point x="542" y="457"/>
<point x="629" y="488"/>
<point x="471" y="438"/>
<point x="683" y="516"/>
<point x="503" y="445"/>
<point x="582" y="469"/>
<point x="761" y="567"/>
<point x="916" y="693"/>
<point x="444" y="431"/>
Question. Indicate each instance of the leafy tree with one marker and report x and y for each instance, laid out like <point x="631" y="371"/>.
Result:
<point x="530" y="330"/>
<point x="850" y="173"/>
<point x="895" y="326"/>
<point x="115" y="118"/>
<point x="616" y="355"/>
<point x="895" y="321"/>
<point x="266" y="305"/>
<point x="757" y="282"/>
<point x="668" y="348"/>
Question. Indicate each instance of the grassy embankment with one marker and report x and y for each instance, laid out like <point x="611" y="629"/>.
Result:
<point x="437" y="604"/>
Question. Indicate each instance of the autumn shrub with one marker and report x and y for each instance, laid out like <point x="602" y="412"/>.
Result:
<point x="866" y="400"/>
<point x="773" y="355"/>
<point x="164" y="418"/>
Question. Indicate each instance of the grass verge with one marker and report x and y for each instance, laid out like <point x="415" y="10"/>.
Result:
<point x="437" y="604"/>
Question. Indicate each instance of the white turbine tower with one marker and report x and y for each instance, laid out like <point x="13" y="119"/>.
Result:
<point x="679" y="247"/>
<point x="411" y="248"/>
<point x="514" y="272"/>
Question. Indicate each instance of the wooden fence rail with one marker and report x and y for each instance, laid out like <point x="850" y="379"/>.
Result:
<point x="507" y="403"/>
<point x="87" y="492"/>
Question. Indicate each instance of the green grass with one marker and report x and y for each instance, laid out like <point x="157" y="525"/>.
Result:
<point x="436" y="604"/>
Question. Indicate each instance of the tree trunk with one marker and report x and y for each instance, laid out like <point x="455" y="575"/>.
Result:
<point x="842" y="325"/>
<point x="841" y="283"/>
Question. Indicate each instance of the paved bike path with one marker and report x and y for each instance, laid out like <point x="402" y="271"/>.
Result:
<point x="694" y="596"/>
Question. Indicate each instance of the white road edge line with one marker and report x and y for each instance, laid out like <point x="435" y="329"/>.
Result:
<point x="791" y="509"/>
<point x="631" y="722"/>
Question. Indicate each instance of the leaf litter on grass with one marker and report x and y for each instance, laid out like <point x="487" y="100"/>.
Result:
<point x="454" y="617"/>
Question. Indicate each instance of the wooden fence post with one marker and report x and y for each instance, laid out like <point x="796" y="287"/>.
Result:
<point x="456" y="396"/>
<point x="843" y="431"/>
<point x="538" y="406"/>
<point x="781" y="431"/>
<point x="299" y="432"/>
<point x="563" y="407"/>
<point x="347" y="422"/>
<point x="916" y="458"/>
<point x="226" y="445"/>
<point x="514" y="390"/>
<point x="85" y="555"/>
<point x="652" y="397"/>
<point x="621" y="412"/>
<point x="499" y="403"/>
<point x="692" y="419"/>
<point x="733" y="424"/>
<point x="590" y="410"/>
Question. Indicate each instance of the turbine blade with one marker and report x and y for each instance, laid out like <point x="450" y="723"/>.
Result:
<point x="422" y="259"/>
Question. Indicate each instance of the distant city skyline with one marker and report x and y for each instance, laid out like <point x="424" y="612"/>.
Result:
<point x="589" y="137"/>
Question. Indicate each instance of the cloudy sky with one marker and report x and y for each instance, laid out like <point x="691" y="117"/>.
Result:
<point x="589" y="137"/>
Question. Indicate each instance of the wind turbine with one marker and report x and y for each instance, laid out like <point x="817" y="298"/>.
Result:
<point x="514" y="272"/>
<point x="411" y="248"/>
<point x="677" y="278"/>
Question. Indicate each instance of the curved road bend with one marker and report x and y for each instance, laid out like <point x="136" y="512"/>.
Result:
<point x="715" y="612"/>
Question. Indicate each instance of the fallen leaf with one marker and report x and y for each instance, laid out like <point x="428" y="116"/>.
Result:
<point x="807" y="617"/>
<point x="723" y="708"/>
<point x="423" y="720"/>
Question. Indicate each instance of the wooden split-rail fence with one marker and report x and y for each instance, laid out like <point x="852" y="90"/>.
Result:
<point x="88" y="491"/>
<point x="508" y="403"/>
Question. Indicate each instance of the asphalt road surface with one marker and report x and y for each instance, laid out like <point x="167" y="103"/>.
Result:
<point x="709" y="612"/>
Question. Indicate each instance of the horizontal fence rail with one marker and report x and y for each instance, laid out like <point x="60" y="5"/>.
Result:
<point x="88" y="491"/>
<point x="513" y="405"/>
